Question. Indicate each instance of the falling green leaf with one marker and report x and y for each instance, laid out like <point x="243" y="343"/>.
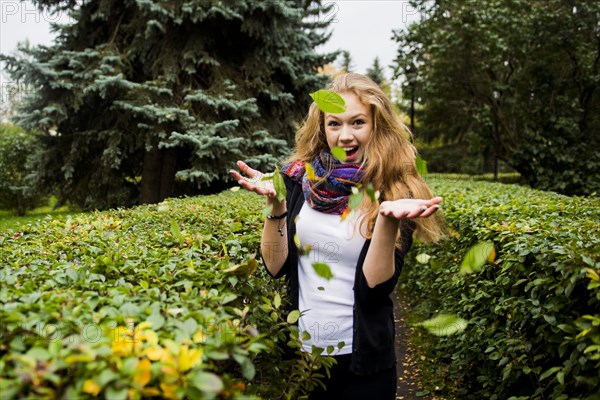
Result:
<point x="321" y="288"/>
<point x="421" y="166"/>
<point x="267" y="177"/>
<point x="339" y="153"/>
<point x="279" y="185"/>
<point x="355" y="200"/>
<point x="476" y="257"/>
<point x="329" y="102"/>
<point x="341" y="345"/>
<point x="370" y="191"/>
<point x="305" y="335"/>
<point x="235" y="189"/>
<point x="330" y="349"/>
<point x="297" y="240"/>
<point x="323" y="270"/>
<point x="444" y="325"/>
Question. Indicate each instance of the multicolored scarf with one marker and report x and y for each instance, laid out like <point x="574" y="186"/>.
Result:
<point x="328" y="195"/>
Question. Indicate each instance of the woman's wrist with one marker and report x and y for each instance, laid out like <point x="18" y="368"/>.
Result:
<point x="278" y="207"/>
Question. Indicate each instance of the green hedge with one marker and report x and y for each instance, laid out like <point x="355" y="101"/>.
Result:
<point x="533" y="312"/>
<point x="156" y="301"/>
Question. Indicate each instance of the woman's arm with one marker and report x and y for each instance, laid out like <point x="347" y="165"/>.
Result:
<point x="379" y="263"/>
<point x="273" y="242"/>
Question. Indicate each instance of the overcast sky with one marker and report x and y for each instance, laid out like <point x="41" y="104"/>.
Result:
<point x="363" y="27"/>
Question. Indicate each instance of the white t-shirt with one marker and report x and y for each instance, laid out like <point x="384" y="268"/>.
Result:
<point x="327" y="305"/>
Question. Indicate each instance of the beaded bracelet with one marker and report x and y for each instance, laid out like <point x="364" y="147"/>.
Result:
<point x="278" y="217"/>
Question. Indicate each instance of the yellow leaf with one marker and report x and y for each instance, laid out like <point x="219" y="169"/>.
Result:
<point x="195" y="357"/>
<point x="78" y="358"/>
<point x="492" y="255"/>
<point x="169" y="370"/>
<point x="592" y="274"/>
<point x="144" y="325"/>
<point x="154" y="353"/>
<point x="142" y="373"/>
<point x="347" y="213"/>
<point x="150" y="336"/>
<point x="310" y="172"/>
<point x="169" y="391"/>
<point x="91" y="387"/>
<point x="200" y="336"/>
<point x="188" y="358"/>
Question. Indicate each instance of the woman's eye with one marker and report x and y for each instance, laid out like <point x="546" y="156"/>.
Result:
<point x="359" y="122"/>
<point x="332" y="123"/>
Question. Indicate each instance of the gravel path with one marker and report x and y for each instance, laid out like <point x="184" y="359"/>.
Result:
<point x="408" y="374"/>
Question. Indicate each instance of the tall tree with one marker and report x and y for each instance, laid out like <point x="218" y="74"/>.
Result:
<point x="16" y="190"/>
<point x="151" y="99"/>
<point x="517" y="80"/>
<point x="375" y="72"/>
<point x="346" y="62"/>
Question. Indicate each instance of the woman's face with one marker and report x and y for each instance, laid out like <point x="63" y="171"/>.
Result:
<point x="351" y="129"/>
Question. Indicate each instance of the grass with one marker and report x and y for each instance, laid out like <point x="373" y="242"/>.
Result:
<point x="10" y="221"/>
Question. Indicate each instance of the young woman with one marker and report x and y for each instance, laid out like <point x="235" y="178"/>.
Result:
<point x="364" y="250"/>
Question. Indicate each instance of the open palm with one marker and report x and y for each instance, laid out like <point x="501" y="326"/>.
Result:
<point x="253" y="181"/>
<point x="410" y="208"/>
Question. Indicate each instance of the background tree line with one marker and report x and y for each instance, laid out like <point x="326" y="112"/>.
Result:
<point x="139" y="101"/>
<point x="509" y="80"/>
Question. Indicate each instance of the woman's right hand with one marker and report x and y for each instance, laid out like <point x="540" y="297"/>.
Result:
<point x="253" y="182"/>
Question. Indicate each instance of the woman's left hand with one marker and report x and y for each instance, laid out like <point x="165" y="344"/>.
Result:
<point x="409" y="208"/>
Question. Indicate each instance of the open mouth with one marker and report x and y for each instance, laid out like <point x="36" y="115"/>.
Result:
<point x="351" y="152"/>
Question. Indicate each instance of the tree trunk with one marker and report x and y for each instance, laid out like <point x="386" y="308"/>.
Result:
<point x="168" y="171"/>
<point x="488" y="158"/>
<point x="158" y="175"/>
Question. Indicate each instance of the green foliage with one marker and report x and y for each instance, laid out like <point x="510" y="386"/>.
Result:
<point x="517" y="81"/>
<point x="8" y="219"/>
<point x="323" y="270"/>
<point x="444" y="325"/>
<point x="339" y="153"/>
<point x="16" y="190"/>
<point x="162" y="301"/>
<point x="375" y="72"/>
<point x="532" y="308"/>
<point x="329" y="101"/>
<point x="476" y="257"/>
<point x="156" y="99"/>
<point x="421" y="166"/>
<point x="345" y="63"/>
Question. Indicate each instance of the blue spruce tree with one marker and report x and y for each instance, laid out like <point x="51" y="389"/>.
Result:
<point x="141" y="100"/>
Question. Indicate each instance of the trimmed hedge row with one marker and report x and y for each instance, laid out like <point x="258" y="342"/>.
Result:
<point x="157" y="301"/>
<point x="533" y="312"/>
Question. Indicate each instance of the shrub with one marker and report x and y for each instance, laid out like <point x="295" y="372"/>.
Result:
<point x="157" y="301"/>
<point x="533" y="312"/>
<point x="16" y="190"/>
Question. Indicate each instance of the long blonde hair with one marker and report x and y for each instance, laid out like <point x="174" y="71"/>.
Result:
<point x="390" y="155"/>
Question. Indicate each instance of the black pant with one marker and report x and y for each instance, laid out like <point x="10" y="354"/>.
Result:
<point x="345" y="385"/>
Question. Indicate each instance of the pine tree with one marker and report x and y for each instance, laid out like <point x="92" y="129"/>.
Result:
<point x="375" y="72"/>
<point x="346" y="62"/>
<point x="151" y="99"/>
